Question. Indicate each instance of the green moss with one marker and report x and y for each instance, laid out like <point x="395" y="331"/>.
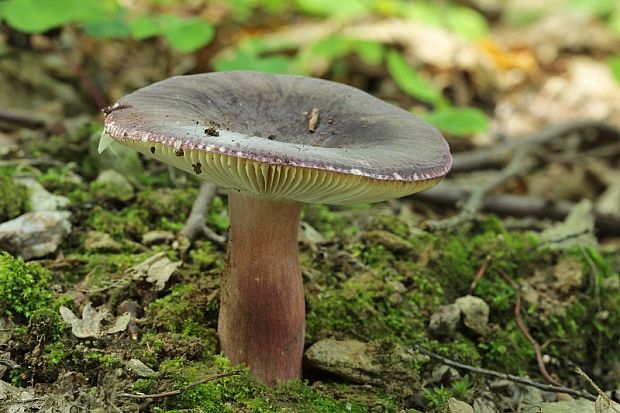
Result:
<point x="183" y="311"/>
<point x="62" y="180"/>
<point x="56" y="353"/>
<point x="376" y="305"/>
<point x="69" y="147"/>
<point x="103" y="270"/>
<point x="241" y="393"/>
<point x="329" y="221"/>
<point x="508" y="350"/>
<point x="130" y="222"/>
<point x="96" y="359"/>
<point x="393" y="224"/>
<point x="167" y="208"/>
<point x="205" y="256"/>
<point x="107" y="190"/>
<point x="47" y="323"/>
<point x="14" y="199"/>
<point x="23" y="287"/>
<point x="218" y="214"/>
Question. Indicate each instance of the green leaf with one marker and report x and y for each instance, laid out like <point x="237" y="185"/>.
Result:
<point x="459" y="121"/>
<point x="464" y="21"/>
<point x="467" y="22"/>
<point x="331" y="8"/>
<point x="242" y="60"/>
<point x="190" y="35"/>
<point x="107" y="29"/>
<point x="370" y="52"/>
<point x="614" y="23"/>
<point x="410" y="81"/>
<point x="614" y="65"/>
<point x="35" y="16"/>
<point x="145" y="27"/>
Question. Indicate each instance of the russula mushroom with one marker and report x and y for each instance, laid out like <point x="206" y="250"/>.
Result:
<point x="276" y="142"/>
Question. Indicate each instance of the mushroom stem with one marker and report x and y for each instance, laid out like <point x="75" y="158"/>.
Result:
<point x="262" y="310"/>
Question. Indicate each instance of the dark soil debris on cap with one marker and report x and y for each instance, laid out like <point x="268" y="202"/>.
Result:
<point x="179" y="152"/>
<point x="197" y="168"/>
<point x="211" y="131"/>
<point x="272" y="137"/>
<point x="152" y="149"/>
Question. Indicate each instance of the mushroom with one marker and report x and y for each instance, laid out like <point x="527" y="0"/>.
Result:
<point x="276" y="142"/>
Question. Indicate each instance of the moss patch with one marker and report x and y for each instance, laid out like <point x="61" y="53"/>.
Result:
<point x="14" y="199"/>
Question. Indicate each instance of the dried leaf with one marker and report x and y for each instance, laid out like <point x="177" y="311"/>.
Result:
<point x="120" y="324"/>
<point x="157" y="270"/>
<point x="90" y="323"/>
<point x="457" y="406"/>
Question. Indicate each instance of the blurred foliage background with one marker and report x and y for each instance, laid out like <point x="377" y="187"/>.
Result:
<point x="455" y="63"/>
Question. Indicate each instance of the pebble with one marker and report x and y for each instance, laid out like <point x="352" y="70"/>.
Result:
<point x="35" y="234"/>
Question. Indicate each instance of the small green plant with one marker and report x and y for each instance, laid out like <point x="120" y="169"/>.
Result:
<point x="23" y="287"/>
<point x="462" y="388"/>
<point x="437" y="397"/>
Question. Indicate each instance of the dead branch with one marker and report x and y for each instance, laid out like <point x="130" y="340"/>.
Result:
<point x="178" y="391"/>
<point x="22" y="118"/>
<point x="516" y="205"/>
<point x="9" y="363"/>
<point x="497" y="156"/>
<point x="522" y="156"/>
<point x="195" y="221"/>
<point x="505" y="376"/>
<point x="519" y="165"/>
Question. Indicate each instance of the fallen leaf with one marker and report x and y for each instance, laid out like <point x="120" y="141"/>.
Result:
<point x="156" y="269"/>
<point x="90" y="323"/>
<point x="457" y="406"/>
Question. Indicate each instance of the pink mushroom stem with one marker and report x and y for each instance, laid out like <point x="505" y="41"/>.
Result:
<point x="262" y="310"/>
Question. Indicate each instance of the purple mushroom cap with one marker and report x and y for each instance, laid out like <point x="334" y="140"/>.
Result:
<point x="282" y="137"/>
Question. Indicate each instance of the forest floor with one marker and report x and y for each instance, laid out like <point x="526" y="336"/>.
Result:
<point x="124" y="309"/>
<point x="489" y="292"/>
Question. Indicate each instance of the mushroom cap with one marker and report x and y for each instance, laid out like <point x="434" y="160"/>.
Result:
<point x="254" y="132"/>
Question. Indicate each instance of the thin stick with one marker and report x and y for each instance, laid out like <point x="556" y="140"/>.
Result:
<point x="198" y="215"/>
<point x="526" y="332"/>
<point x="505" y="376"/>
<point x="314" y="119"/>
<point x="601" y="394"/>
<point x="9" y="363"/>
<point x="479" y="274"/>
<point x="23" y="118"/>
<point x="178" y="391"/>
<point x="496" y="156"/>
<point x="516" y="205"/>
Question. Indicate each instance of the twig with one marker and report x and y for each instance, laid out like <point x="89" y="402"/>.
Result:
<point x="520" y="164"/>
<point x="535" y="345"/>
<point x="505" y="376"/>
<point x="601" y="393"/>
<point x="479" y="274"/>
<point x="314" y="119"/>
<point x="516" y="205"/>
<point x="198" y="215"/>
<point x="217" y="239"/>
<point x="524" y="155"/>
<point x="10" y="364"/>
<point x="23" y="118"/>
<point x="539" y="359"/>
<point x="31" y="162"/>
<point x="496" y="156"/>
<point x="178" y="391"/>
